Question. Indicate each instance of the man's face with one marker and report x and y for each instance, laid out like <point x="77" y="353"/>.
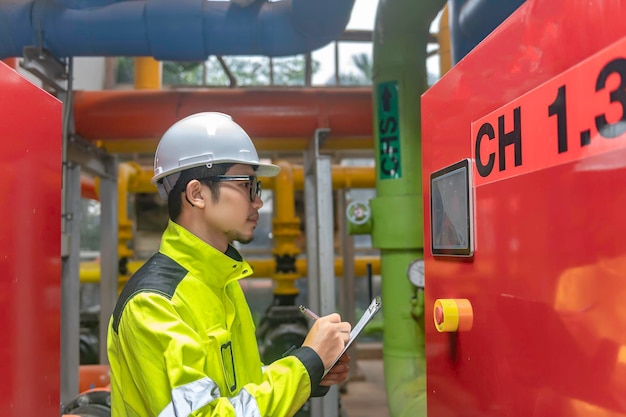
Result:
<point x="234" y="216"/>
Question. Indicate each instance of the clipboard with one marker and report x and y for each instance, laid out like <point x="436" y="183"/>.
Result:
<point x="367" y="316"/>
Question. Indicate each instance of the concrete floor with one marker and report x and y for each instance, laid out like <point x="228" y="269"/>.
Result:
<point x="365" y="395"/>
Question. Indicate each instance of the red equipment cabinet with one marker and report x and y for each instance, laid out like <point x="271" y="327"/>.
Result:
<point x="539" y="108"/>
<point x="30" y="252"/>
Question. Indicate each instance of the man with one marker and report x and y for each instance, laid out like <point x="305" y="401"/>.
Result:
<point x="182" y="339"/>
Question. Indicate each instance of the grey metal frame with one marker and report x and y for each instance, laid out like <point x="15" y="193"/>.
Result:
<point x="70" y="284"/>
<point x="318" y="197"/>
<point x="105" y="166"/>
<point x="346" y="293"/>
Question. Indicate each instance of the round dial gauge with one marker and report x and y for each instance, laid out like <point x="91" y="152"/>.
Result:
<point x="416" y="273"/>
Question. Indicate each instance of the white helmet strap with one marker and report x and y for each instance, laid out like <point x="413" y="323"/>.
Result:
<point x="167" y="184"/>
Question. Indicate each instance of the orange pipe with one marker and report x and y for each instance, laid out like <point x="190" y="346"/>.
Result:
<point x="88" y="188"/>
<point x="93" y="376"/>
<point x="11" y="62"/>
<point x="262" y="112"/>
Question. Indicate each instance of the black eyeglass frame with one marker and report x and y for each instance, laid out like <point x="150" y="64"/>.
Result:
<point x="255" y="184"/>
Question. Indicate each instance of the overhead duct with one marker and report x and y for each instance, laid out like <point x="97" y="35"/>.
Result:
<point x="263" y="112"/>
<point x="472" y="20"/>
<point x="181" y="30"/>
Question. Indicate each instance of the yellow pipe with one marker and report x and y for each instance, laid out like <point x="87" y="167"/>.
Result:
<point x="147" y="73"/>
<point x="286" y="229"/>
<point x="445" y="57"/>
<point x="140" y="182"/>
<point x="263" y="268"/>
<point x="263" y="144"/>
<point x="126" y="175"/>
<point x="126" y="172"/>
<point x="89" y="272"/>
<point x="286" y="225"/>
<point x="342" y="177"/>
<point x="353" y="177"/>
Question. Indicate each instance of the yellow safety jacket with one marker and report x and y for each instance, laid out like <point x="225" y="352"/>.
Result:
<point x="181" y="341"/>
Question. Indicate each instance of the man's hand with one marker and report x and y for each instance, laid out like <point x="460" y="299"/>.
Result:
<point x="337" y="373"/>
<point x="327" y="337"/>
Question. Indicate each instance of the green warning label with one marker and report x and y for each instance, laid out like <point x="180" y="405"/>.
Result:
<point x="390" y="165"/>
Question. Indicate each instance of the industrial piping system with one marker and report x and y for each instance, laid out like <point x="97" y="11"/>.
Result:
<point x="48" y="27"/>
<point x="184" y="30"/>
<point x="400" y="37"/>
<point x="285" y="269"/>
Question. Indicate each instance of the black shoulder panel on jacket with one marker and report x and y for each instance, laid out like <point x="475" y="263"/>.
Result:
<point x="160" y="274"/>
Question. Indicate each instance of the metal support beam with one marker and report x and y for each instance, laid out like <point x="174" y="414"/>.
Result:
<point x="108" y="252"/>
<point x="318" y="194"/>
<point x="93" y="160"/>
<point x="70" y="285"/>
<point x="51" y="71"/>
<point x="347" y="253"/>
<point x="103" y="165"/>
<point x="346" y="293"/>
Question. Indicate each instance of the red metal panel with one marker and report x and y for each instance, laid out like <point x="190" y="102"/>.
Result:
<point x="548" y="277"/>
<point x="30" y="269"/>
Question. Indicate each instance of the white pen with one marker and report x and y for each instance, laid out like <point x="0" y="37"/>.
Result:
<point x="308" y="313"/>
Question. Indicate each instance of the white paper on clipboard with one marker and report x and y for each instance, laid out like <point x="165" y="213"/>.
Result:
<point x="367" y="316"/>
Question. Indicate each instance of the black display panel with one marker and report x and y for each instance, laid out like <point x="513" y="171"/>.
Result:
<point x="451" y="210"/>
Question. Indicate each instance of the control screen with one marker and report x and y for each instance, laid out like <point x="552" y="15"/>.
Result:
<point x="451" y="210"/>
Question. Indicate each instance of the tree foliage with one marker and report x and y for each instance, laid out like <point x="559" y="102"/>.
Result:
<point x="248" y="71"/>
<point x="256" y="71"/>
<point x="363" y="75"/>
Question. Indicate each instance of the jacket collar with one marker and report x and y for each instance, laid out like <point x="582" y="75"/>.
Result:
<point x="201" y="259"/>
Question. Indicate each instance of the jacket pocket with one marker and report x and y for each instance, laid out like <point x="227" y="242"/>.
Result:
<point x="221" y="347"/>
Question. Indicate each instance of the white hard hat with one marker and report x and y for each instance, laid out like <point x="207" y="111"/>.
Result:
<point x="204" y="139"/>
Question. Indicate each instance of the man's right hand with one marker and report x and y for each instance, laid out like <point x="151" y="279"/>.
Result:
<point x="327" y="337"/>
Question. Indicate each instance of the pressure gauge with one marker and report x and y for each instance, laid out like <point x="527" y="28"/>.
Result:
<point x="358" y="212"/>
<point x="416" y="273"/>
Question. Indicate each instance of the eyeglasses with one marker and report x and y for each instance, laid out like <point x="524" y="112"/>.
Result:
<point x="254" y="185"/>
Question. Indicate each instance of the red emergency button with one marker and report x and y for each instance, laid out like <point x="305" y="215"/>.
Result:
<point x="438" y="315"/>
<point x="453" y="314"/>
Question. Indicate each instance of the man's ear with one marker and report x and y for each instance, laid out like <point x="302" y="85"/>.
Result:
<point x="194" y="194"/>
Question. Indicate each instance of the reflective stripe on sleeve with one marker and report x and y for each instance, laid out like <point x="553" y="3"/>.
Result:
<point x="245" y="405"/>
<point x="190" y="397"/>
<point x="195" y="395"/>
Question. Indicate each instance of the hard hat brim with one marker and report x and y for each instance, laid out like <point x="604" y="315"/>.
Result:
<point x="267" y="170"/>
<point x="263" y="170"/>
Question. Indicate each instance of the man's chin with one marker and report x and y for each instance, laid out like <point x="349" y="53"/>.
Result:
<point x="245" y="241"/>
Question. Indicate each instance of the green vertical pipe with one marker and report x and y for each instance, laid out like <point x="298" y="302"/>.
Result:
<point x="399" y="75"/>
